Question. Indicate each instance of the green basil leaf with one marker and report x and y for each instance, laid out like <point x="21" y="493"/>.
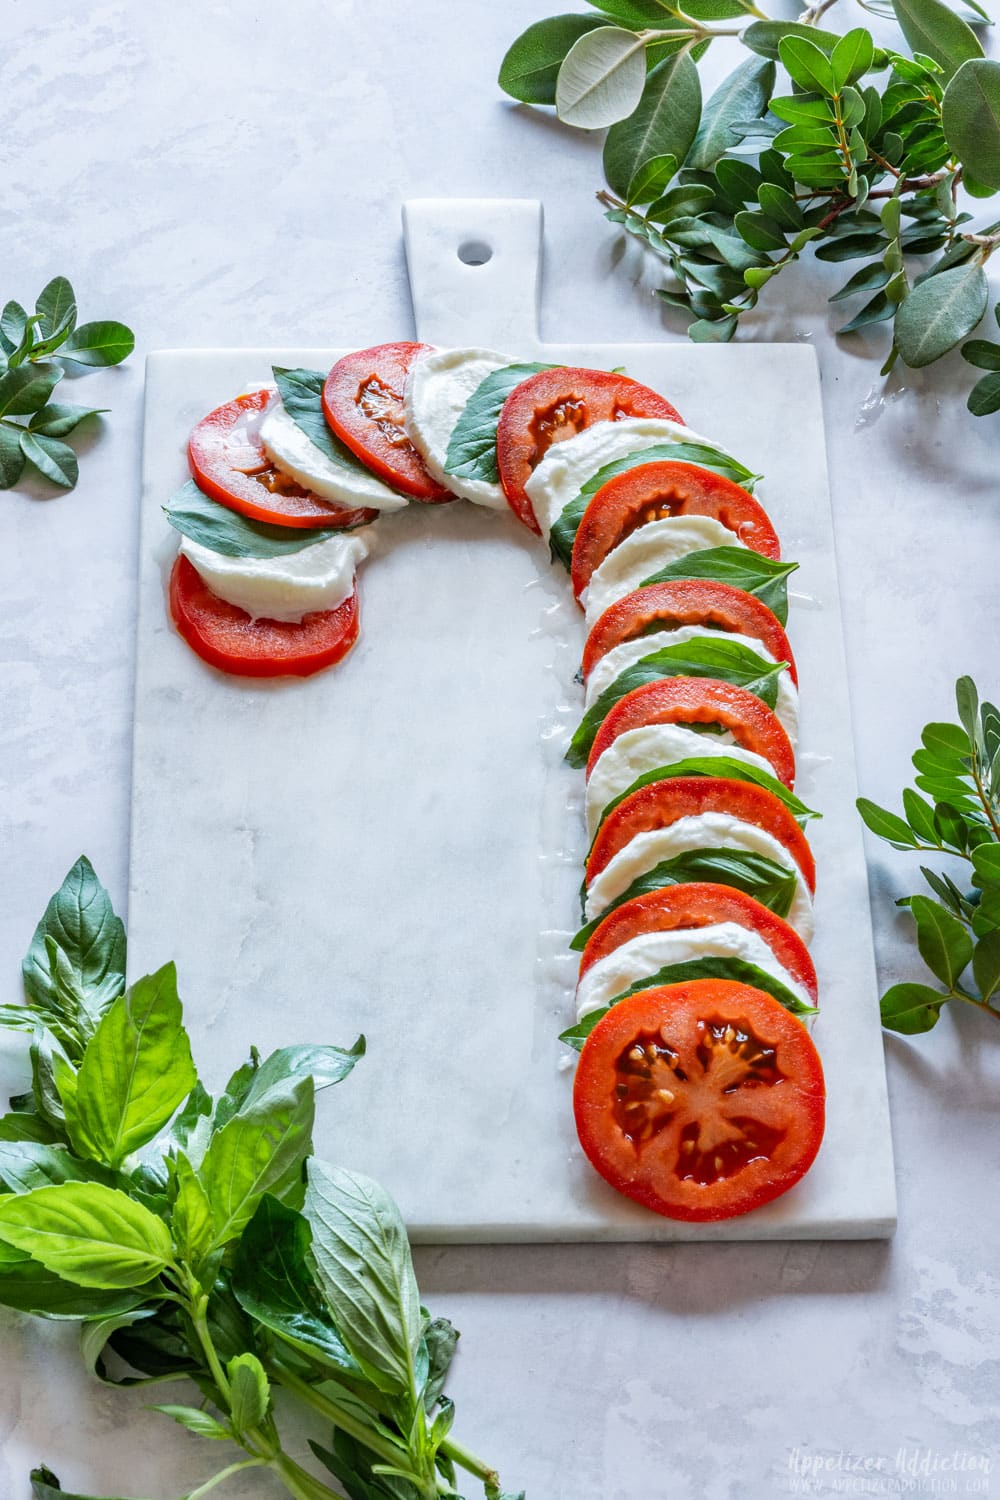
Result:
<point x="273" y="1283"/>
<point x="106" y="343"/>
<point x="940" y="313"/>
<point x="22" y="1125"/>
<point x="260" y="1150"/>
<point x="718" y="765"/>
<point x="55" y="460"/>
<point x="301" y="393"/>
<point x="365" y="1270"/>
<point x="28" y="1287"/>
<point x="11" y="458"/>
<point x="45" y="1486"/>
<point x="771" y="884"/>
<point x="94" y="1236"/>
<point x="911" y="1008"/>
<point x="472" y="447"/>
<point x="567" y="523"/>
<point x="136" y="1070"/>
<point x="57" y="419"/>
<point x="82" y="922"/>
<point x="932" y="28"/>
<point x="664" y="123"/>
<point x="971" y="119"/>
<point x="56" y="309"/>
<point x="601" y="78"/>
<point x="729" y="661"/>
<point x="739" y="566"/>
<point x="26" y="389"/>
<point x="441" y="1338"/>
<point x="194" y="515"/>
<point x="289" y="1065"/>
<point x="741" y="96"/>
<point x="249" y="1392"/>
<point x="945" y="944"/>
<point x="984" y="398"/>
<point x="25" y="1165"/>
<point x="200" y="1422"/>
<point x="531" y="64"/>
<point x="191" y="1216"/>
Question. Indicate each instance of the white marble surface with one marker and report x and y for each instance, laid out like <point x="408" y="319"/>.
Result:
<point x="223" y="180"/>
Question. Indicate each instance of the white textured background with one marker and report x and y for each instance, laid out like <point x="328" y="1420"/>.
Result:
<point x="223" y="175"/>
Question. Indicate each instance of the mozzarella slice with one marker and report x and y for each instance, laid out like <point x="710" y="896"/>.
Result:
<point x="566" y="466"/>
<point x="650" y="746"/>
<point x="645" y="551"/>
<point x="711" y="830"/>
<point x="320" y="576"/>
<point x="643" y="956"/>
<point x="438" y="388"/>
<point x="293" y="452"/>
<point x="627" y="653"/>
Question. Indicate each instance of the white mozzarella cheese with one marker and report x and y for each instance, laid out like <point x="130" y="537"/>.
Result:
<point x="438" y="388"/>
<point x="292" y="451"/>
<point x="319" y="577"/>
<point x="645" y="551"/>
<point x="711" y="830"/>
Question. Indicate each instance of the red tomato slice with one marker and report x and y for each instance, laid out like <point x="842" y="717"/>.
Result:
<point x="363" y="403"/>
<point x="653" y="492"/>
<point x="227" y="637"/>
<point x="686" y="601"/>
<point x="557" y="404"/>
<point x="229" y="464"/>
<point x="701" y="700"/>
<point x="665" y="802"/>
<point x="701" y="904"/>
<point x="700" y="1101"/>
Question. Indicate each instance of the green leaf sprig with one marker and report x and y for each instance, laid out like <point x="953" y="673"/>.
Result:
<point x="196" y="1239"/>
<point x="29" y="375"/>
<point x="865" y="157"/>
<point x="958" y="930"/>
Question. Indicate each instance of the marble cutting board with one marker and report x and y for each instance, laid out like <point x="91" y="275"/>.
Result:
<point x="395" y="846"/>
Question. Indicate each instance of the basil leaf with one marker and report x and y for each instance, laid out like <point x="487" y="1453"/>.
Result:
<point x="11" y="458"/>
<point x="324" y="1065"/>
<point x="26" y="389"/>
<point x="223" y="530"/>
<point x="472" y="447"/>
<point x="200" y="1422"/>
<point x="441" y="1338"/>
<point x="25" y="1165"/>
<point x="56" y="309"/>
<point x="719" y="765"/>
<point x="564" y="528"/>
<point x="81" y="921"/>
<point x="135" y="1072"/>
<point x="191" y="1215"/>
<point x="249" y="1391"/>
<point x="94" y="1236"/>
<point x="272" y="1282"/>
<point x="738" y="566"/>
<point x="105" y="343"/>
<point x="366" y="1273"/>
<point x="55" y="460"/>
<point x="531" y="64"/>
<point x="45" y="1486"/>
<point x="28" y="1287"/>
<point x="729" y="661"/>
<point x="771" y="884"/>
<point x="260" y="1150"/>
<point x="737" y="969"/>
<point x="57" y="419"/>
<point x="22" y="1125"/>
<point x="301" y="393"/>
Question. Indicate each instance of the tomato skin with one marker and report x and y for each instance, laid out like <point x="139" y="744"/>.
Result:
<point x="227" y="638"/>
<point x="377" y="436"/>
<point x="786" y="1100"/>
<point x="561" y="397"/>
<point x="221" y="448"/>
<point x="650" y="492"/>
<point x="687" y="601"/>
<point x="700" y="904"/>
<point x="701" y="700"/>
<point x="664" y="802"/>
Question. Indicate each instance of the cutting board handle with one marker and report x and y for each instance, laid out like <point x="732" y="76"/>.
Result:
<point x="474" y="266"/>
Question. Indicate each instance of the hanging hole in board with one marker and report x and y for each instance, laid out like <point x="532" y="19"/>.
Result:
<point x="475" y="253"/>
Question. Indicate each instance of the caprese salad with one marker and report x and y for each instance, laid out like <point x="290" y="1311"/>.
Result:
<point x="698" y="1091"/>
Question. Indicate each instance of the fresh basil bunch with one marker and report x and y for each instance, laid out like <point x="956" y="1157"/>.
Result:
<point x="29" y="375"/>
<point x="860" y="155"/>
<point x="958" y="933"/>
<point x="196" y="1239"/>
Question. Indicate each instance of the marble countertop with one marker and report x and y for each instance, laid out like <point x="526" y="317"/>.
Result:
<point x="225" y="178"/>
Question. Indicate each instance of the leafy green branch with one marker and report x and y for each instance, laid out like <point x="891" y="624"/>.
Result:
<point x="958" y="933"/>
<point x="196" y="1239"/>
<point x="865" y="159"/>
<point x="29" y="376"/>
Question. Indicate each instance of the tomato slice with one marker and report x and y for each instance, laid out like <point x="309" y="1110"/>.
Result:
<point x="701" y="904"/>
<point x="686" y="601"/>
<point x="557" y="404"/>
<point x="229" y="464"/>
<point x="228" y="638"/>
<point x="701" y="700"/>
<point x="363" y="403"/>
<point x="665" y="802"/>
<point x="700" y="1101"/>
<point x="654" y="492"/>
